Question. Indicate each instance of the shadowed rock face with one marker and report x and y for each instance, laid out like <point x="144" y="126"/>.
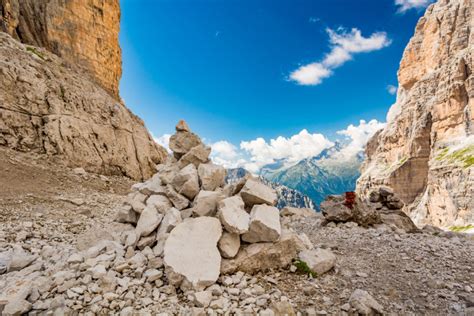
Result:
<point x="50" y="107"/>
<point x="426" y="151"/>
<point x="84" y="33"/>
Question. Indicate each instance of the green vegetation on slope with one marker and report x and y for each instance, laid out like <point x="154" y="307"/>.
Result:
<point x="35" y="51"/>
<point x="464" y="156"/>
<point x="460" y="229"/>
<point x="302" y="267"/>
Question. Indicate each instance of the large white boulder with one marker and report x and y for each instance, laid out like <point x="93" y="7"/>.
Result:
<point x="148" y="221"/>
<point x="137" y="201"/>
<point x="17" y="307"/>
<point x="264" y="224"/>
<point x="167" y="173"/>
<point x="212" y="176"/>
<point x="182" y="142"/>
<point x="152" y="186"/>
<point x="171" y="219"/>
<point x="233" y="215"/>
<point x="186" y="181"/>
<point x="318" y="260"/>
<point x="190" y="189"/>
<point x="202" y="298"/>
<point x="229" y="244"/>
<point x="258" y="257"/>
<point x="191" y="253"/>
<point x="15" y="260"/>
<point x="255" y="192"/>
<point x="160" y="202"/>
<point x="179" y="201"/>
<point x="197" y="155"/>
<point x="205" y="203"/>
<point x="125" y="214"/>
<point x="234" y="202"/>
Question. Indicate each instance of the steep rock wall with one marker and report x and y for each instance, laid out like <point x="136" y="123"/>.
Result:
<point x="83" y="32"/>
<point x="51" y="107"/>
<point x="426" y="151"/>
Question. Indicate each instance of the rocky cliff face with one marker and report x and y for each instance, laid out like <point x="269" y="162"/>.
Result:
<point x="49" y="106"/>
<point x="426" y="152"/>
<point x="84" y="33"/>
<point x="69" y="106"/>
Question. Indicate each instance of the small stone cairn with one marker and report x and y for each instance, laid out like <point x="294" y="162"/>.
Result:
<point x="382" y="206"/>
<point x="200" y="227"/>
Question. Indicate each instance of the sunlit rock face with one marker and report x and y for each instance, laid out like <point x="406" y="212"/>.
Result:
<point x="57" y="110"/>
<point x="81" y="32"/>
<point x="60" y="68"/>
<point x="426" y="151"/>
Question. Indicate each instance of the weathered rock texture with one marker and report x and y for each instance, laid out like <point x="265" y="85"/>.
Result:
<point x="426" y="151"/>
<point x="83" y="33"/>
<point x="382" y="207"/>
<point x="201" y="229"/>
<point x="50" y="107"/>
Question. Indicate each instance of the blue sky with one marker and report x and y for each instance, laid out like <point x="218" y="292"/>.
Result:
<point x="232" y="69"/>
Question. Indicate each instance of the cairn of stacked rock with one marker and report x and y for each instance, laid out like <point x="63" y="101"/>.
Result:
<point x="381" y="207"/>
<point x="201" y="227"/>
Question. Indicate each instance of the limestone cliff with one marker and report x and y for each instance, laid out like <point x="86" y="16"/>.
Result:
<point x="426" y="151"/>
<point x="51" y="107"/>
<point x="82" y="32"/>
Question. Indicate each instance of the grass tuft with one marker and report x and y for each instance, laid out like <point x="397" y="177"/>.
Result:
<point x="302" y="267"/>
<point x="33" y="50"/>
<point x="464" y="156"/>
<point x="460" y="229"/>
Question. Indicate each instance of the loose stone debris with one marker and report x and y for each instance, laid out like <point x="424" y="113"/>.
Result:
<point x="151" y="259"/>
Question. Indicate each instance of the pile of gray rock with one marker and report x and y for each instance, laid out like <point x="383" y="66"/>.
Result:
<point x="381" y="207"/>
<point x="201" y="227"/>
<point x="383" y="198"/>
<point x="182" y="242"/>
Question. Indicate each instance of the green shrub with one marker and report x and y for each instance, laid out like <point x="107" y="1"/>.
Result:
<point x="302" y="267"/>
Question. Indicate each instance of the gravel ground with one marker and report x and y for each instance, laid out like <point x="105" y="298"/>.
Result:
<point x="48" y="211"/>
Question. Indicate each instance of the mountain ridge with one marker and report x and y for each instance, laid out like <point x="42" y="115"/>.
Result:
<point x="321" y="175"/>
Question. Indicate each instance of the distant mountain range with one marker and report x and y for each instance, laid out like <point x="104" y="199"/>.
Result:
<point x="333" y="171"/>
<point x="286" y="196"/>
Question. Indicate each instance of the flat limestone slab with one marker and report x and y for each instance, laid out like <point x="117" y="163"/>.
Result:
<point x="191" y="252"/>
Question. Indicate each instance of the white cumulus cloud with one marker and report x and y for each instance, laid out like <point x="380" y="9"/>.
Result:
<point x="392" y="89"/>
<point x="254" y="154"/>
<point x="293" y="149"/>
<point x="164" y="141"/>
<point x="344" y="44"/>
<point x="359" y="135"/>
<point x="311" y="74"/>
<point x="226" y="154"/>
<point x="405" y="5"/>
